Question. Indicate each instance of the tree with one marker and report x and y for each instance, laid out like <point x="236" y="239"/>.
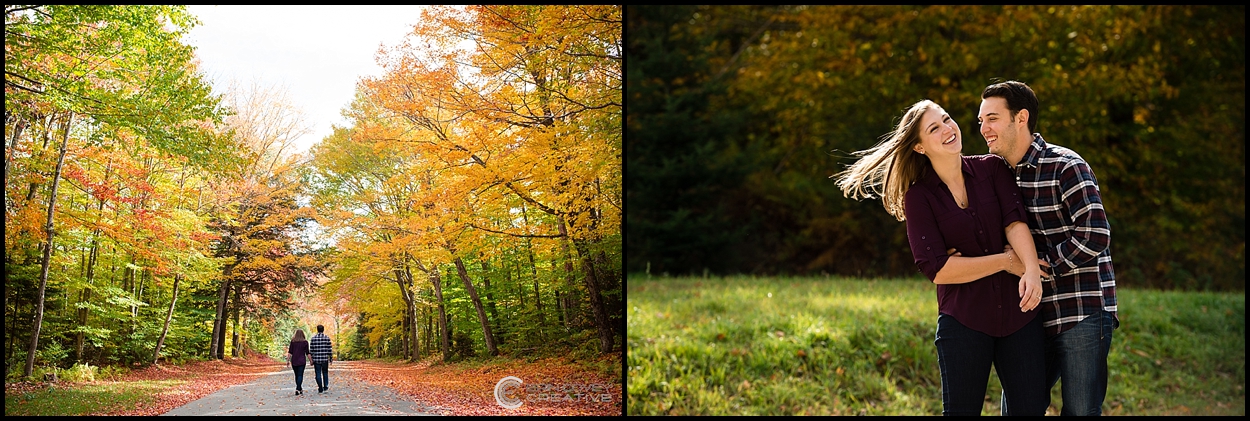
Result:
<point x="262" y="224"/>
<point x="537" y="116"/>
<point x="83" y="63"/>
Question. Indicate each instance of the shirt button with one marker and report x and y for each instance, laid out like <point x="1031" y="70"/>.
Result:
<point x="987" y="250"/>
<point x="926" y="248"/>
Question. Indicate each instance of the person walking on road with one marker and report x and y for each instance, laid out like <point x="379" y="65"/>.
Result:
<point x="296" y="354"/>
<point x="320" y="349"/>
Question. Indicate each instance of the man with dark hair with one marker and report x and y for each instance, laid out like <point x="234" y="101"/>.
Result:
<point x="1073" y="237"/>
<point x="319" y="347"/>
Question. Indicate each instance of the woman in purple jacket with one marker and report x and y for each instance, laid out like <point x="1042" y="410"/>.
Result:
<point x="297" y="353"/>
<point x="967" y="230"/>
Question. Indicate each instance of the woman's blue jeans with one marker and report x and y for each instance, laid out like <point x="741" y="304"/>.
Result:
<point x="299" y="377"/>
<point x="1079" y="356"/>
<point x="965" y="357"/>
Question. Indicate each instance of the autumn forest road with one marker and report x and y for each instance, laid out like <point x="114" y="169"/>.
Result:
<point x="274" y="394"/>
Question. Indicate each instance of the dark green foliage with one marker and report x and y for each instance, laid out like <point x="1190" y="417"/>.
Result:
<point x="737" y="116"/>
<point x="462" y="344"/>
<point x="678" y="215"/>
<point x="358" y="344"/>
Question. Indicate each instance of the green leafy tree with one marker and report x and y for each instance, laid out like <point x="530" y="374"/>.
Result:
<point x="93" y="73"/>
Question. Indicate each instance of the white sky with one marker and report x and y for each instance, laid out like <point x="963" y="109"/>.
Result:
<point x="315" y="53"/>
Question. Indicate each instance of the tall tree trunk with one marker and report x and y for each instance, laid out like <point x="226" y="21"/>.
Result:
<point x="563" y="314"/>
<point x="79" y="339"/>
<point x="429" y="331"/>
<point x="234" y="337"/>
<point x="219" y="322"/>
<point x="610" y="282"/>
<point x="85" y="297"/>
<point x="405" y="294"/>
<point x="444" y="346"/>
<point x="19" y="127"/>
<point x="565" y="302"/>
<point x="477" y="304"/>
<point x="602" y="325"/>
<point x="538" y="299"/>
<point x="490" y="298"/>
<point x="47" y="252"/>
<point x="410" y="284"/>
<point x="12" y="344"/>
<point x="130" y="284"/>
<point x="139" y="289"/>
<point x="429" y="328"/>
<point x="156" y="355"/>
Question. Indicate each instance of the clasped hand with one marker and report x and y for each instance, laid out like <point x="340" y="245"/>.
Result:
<point x="1030" y="287"/>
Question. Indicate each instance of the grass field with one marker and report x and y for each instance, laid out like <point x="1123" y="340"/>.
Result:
<point x="86" y="399"/>
<point x="839" y="346"/>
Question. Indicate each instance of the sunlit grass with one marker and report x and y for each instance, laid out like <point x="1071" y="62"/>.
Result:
<point x="100" y="397"/>
<point x="762" y="346"/>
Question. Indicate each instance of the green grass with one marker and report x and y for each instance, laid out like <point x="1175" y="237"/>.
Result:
<point x="87" y="399"/>
<point x="838" y="346"/>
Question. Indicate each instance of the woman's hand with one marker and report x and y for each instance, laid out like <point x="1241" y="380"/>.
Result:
<point x="1030" y="290"/>
<point x="1030" y="287"/>
<point x="1016" y="267"/>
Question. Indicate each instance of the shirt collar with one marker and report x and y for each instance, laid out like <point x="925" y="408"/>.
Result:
<point x="1033" y="156"/>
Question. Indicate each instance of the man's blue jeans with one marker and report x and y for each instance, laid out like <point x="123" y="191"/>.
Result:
<point x="322" y="373"/>
<point x="1079" y="357"/>
<point x="965" y="357"/>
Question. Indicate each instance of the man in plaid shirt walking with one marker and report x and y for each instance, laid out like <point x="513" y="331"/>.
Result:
<point x="319" y="347"/>
<point x="1073" y="238"/>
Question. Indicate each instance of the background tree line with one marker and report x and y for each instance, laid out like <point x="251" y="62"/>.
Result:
<point x="737" y="116"/>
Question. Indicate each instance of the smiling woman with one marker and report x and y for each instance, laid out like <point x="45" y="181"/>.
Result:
<point x="961" y="213"/>
<point x="316" y="52"/>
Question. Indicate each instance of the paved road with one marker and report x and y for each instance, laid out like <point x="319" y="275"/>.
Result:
<point x="274" y="394"/>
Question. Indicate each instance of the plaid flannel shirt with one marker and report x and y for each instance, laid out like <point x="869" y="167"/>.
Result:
<point x="319" y="347"/>
<point x="1071" y="231"/>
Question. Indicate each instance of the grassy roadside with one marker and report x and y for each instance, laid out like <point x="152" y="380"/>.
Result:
<point x="150" y="391"/>
<point x="836" y="346"/>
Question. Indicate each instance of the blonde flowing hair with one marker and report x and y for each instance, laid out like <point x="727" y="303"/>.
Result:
<point x="888" y="169"/>
<point x="299" y="336"/>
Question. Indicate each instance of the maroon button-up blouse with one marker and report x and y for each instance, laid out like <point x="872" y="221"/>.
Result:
<point x="935" y="223"/>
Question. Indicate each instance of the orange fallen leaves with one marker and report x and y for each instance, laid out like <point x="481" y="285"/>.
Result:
<point x="456" y="390"/>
